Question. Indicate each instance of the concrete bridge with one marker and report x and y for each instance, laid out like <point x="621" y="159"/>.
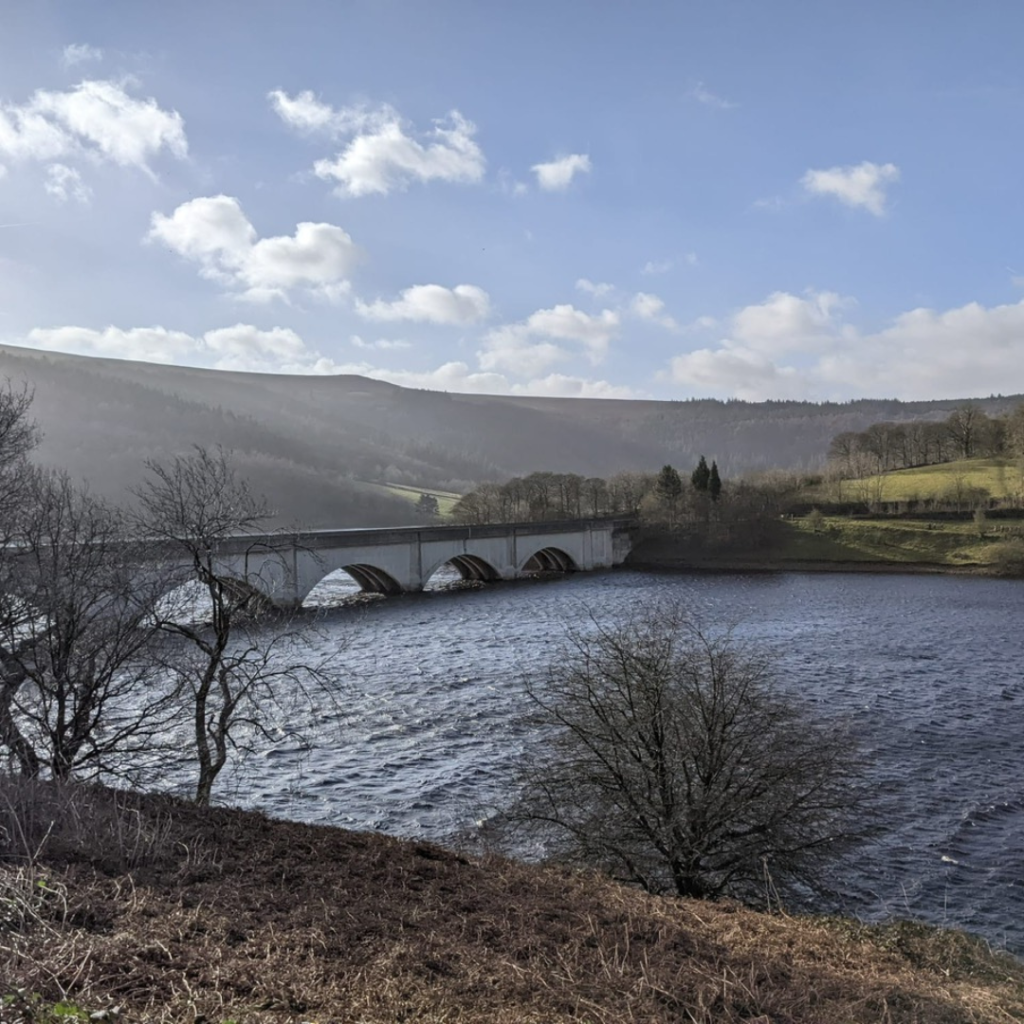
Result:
<point x="286" y="567"/>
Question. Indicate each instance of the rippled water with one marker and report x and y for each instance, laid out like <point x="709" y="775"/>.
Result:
<point x="927" y="669"/>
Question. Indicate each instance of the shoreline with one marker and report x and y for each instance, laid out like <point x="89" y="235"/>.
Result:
<point x="767" y="566"/>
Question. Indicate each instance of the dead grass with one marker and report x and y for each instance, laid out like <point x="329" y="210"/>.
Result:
<point x="246" y="919"/>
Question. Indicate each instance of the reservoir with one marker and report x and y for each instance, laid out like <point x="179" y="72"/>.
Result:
<point x="430" y="717"/>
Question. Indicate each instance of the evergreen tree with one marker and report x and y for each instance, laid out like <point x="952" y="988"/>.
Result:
<point x="701" y="476"/>
<point x="669" y="486"/>
<point x="714" y="482"/>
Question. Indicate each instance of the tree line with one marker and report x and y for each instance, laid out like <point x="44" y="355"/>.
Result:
<point x="968" y="432"/>
<point x="539" y="497"/>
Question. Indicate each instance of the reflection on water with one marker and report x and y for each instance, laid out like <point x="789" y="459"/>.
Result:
<point x="429" y="721"/>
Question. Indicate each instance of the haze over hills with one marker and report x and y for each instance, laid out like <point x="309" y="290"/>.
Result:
<point x="311" y="443"/>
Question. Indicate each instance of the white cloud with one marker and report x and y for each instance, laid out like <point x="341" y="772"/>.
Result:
<point x="599" y="291"/>
<point x="862" y="185"/>
<point x="380" y="345"/>
<point x="709" y="99"/>
<point x="453" y="376"/>
<point x="559" y="385"/>
<point x="432" y="303"/>
<point x="800" y="348"/>
<point x="63" y="183"/>
<point x="241" y="347"/>
<point x="528" y="348"/>
<point x="567" y="323"/>
<point x="649" y="307"/>
<point x="381" y="155"/>
<point x="511" y="349"/>
<point x="150" y="344"/>
<point x="244" y="347"/>
<point x="214" y="232"/>
<point x="97" y="120"/>
<point x="305" y="113"/>
<point x="789" y="323"/>
<point x="736" y="373"/>
<point x="557" y="175"/>
<point x="79" y="53"/>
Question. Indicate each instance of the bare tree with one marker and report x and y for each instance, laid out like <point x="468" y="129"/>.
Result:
<point x="81" y="696"/>
<point x="231" y="659"/>
<point x="675" y="764"/>
<point x="964" y="425"/>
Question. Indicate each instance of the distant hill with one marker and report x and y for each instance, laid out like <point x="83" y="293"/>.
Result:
<point x="307" y="441"/>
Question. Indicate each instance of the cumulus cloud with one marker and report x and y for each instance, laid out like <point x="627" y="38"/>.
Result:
<point x="64" y="183"/>
<point x="383" y="153"/>
<point x="96" y="120"/>
<point x="862" y="185"/>
<point x="512" y="349"/>
<point x="790" y="323"/>
<point x="432" y="303"/>
<point x="528" y="348"/>
<point x="149" y="344"/>
<point x="215" y="233"/>
<point x="557" y="175"/>
<point x="79" y="53"/>
<point x="649" y="307"/>
<point x="240" y="347"/>
<point x="802" y="347"/>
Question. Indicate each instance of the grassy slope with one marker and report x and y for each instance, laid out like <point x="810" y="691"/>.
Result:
<point x="1002" y="478"/>
<point x="229" y="916"/>
<point x="446" y="500"/>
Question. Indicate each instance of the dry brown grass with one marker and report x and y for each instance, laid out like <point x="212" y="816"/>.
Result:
<point x="240" y="918"/>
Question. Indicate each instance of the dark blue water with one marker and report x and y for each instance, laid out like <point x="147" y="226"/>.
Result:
<point x="928" y="670"/>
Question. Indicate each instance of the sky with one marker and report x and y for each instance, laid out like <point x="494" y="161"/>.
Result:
<point x="731" y="199"/>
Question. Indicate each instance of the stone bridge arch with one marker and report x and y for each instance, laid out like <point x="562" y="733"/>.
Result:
<point x="371" y="580"/>
<point x="470" y="567"/>
<point x="549" y="559"/>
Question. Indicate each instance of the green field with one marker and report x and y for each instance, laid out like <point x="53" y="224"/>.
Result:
<point x="1000" y="478"/>
<point x="446" y="500"/>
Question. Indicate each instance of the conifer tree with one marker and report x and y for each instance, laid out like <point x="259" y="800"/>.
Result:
<point x="669" y="486"/>
<point x="714" y="482"/>
<point x="701" y="476"/>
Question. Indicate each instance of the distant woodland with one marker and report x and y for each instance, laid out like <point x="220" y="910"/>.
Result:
<point x="319" y="447"/>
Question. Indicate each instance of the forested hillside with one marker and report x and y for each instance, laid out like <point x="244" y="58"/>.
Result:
<point x="309" y="442"/>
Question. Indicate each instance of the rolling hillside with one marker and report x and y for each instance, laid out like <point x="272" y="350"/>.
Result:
<point x="308" y="441"/>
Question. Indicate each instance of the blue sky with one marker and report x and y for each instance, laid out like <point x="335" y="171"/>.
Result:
<point x="669" y="200"/>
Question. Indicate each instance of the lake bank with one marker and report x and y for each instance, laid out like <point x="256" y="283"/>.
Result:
<point x="220" y="914"/>
<point x="842" y="544"/>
